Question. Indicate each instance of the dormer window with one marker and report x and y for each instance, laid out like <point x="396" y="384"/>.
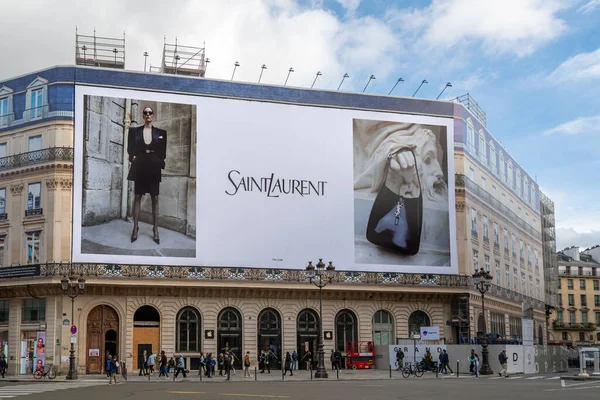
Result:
<point x="37" y="99"/>
<point x="5" y="106"/>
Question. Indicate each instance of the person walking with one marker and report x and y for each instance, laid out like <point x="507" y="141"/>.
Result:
<point x="143" y="363"/>
<point x="288" y="364"/>
<point x="308" y="358"/>
<point x="221" y="363"/>
<point x="332" y="359"/>
<point x="163" y="365"/>
<point x="472" y="363"/>
<point x="400" y="359"/>
<point x="444" y="359"/>
<point x="227" y="361"/>
<point x="294" y="360"/>
<point x="247" y="365"/>
<point x="151" y="361"/>
<point x="114" y="369"/>
<point x="3" y="365"/>
<point x="338" y="359"/>
<point x="107" y="366"/>
<point x="180" y="367"/>
<point x="474" y="359"/>
<point x="504" y="363"/>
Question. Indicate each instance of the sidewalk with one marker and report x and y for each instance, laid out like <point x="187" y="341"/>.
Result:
<point x="274" y="376"/>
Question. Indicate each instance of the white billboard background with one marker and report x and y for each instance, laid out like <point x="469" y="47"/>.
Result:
<point x="261" y="140"/>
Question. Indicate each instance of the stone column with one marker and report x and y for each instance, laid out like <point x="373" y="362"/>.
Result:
<point x="14" y="336"/>
<point x="17" y="213"/>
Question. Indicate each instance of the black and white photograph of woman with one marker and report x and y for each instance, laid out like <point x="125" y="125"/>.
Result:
<point x="138" y="179"/>
<point x="147" y="150"/>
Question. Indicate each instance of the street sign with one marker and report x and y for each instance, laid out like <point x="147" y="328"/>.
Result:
<point x="74" y="339"/>
<point x="73" y="329"/>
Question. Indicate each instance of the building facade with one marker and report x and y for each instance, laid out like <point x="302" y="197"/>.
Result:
<point x="577" y="318"/>
<point x="125" y="309"/>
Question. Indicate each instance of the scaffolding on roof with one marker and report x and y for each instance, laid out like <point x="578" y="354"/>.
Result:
<point x="183" y="60"/>
<point x="98" y="51"/>
<point x="472" y="106"/>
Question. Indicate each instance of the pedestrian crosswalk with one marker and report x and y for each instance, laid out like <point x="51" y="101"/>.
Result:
<point x="11" y="391"/>
<point x="528" y="377"/>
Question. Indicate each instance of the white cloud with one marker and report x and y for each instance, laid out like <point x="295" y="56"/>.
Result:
<point x="583" y="66"/>
<point x="566" y="237"/>
<point x="278" y="33"/>
<point x="590" y="6"/>
<point x="577" y="126"/>
<point x="500" y="26"/>
<point x="350" y="5"/>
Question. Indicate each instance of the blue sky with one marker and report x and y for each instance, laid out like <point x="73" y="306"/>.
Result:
<point x="532" y="65"/>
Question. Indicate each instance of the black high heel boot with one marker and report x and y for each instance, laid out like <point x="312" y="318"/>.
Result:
<point x="156" y="237"/>
<point x="134" y="234"/>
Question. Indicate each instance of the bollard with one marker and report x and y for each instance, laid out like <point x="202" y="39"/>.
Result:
<point x="174" y="374"/>
<point x="390" y="372"/>
<point x="255" y="373"/>
<point x="200" y="373"/>
<point x="148" y="375"/>
<point x="437" y="371"/>
<point x="338" y="372"/>
<point x="311" y="372"/>
<point x="283" y="374"/>
<point x="457" y="368"/>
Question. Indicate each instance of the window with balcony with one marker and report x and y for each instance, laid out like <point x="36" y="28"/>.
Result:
<point x="486" y="237"/>
<point x="598" y="318"/>
<point x="3" y="152"/>
<point x="496" y="236"/>
<point x="529" y="255"/>
<point x="523" y="283"/>
<point x="538" y="289"/>
<point x="582" y="284"/>
<point x="470" y="137"/>
<point x="596" y="284"/>
<point x="519" y="182"/>
<point x="596" y="300"/>
<point x="584" y="317"/>
<point x="507" y="277"/>
<point x="536" y="260"/>
<point x="581" y="336"/>
<point x="521" y="251"/>
<point x="583" y="299"/>
<point x="515" y="280"/>
<point x="493" y="160"/>
<point x="514" y="246"/>
<point x="473" y="222"/>
<point x="510" y="175"/>
<point x="502" y="166"/>
<point x="484" y="184"/>
<point x="571" y="300"/>
<point x="3" y="215"/>
<point x="570" y="284"/>
<point x="34" y="310"/>
<point x="32" y="243"/>
<point x="498" y="276"/>
<point x="36" y="103"/>
<point x="572" y="318"/>
<point x="505" y="240"/>
<point x="3" y="243"/>
<point x="530" y="286"/>
<point x="34" y="199"/>
<point x="482" y="148"/>
<point x="476" y="259"/>
<point x="4" y="311"/>
<point x="472" y="174"/>
<point x="487" y="263"/>
<point x="559" y="316"/>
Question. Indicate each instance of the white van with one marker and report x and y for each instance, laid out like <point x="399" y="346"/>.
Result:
<point x="588" y="355"/>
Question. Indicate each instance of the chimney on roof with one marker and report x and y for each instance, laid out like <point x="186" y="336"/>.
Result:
<point x="573" y="252"/>
<point x="594" y="252"/>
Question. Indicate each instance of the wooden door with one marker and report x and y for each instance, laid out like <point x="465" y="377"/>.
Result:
<point x="100" y="320"/>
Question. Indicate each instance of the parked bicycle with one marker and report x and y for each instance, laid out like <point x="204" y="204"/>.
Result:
<point x="417" y="370"/>
<point x="48" y="371"/>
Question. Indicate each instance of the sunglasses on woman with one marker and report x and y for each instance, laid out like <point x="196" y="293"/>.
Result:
<point x="148" y="112"/>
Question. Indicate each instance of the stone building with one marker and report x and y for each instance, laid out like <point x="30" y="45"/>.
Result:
<point x="125" y="309"/>
<point x="576" y="321"/>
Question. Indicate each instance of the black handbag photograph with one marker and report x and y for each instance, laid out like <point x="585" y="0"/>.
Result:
<point x="395" y="221"/>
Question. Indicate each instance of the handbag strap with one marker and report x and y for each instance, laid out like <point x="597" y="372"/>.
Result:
<point x="400" y="150"/>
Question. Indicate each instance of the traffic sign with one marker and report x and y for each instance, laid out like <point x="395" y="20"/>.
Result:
<point x="73" y="329"/>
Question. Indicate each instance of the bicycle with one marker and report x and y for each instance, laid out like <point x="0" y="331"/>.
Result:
<point x="48" y="371"/>
<point x="417" y="371"/>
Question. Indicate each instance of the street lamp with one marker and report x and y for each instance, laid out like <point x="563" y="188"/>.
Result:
<point x="84" y="48"/>
<point x="369" y="81"/>
<point x="483" y="282"/>
<point x="145" y="59"/>
<point x="423" y="82"/>
<point x="344" y="77"/>
<point x="237" y="64"/>
<point x="115" y="51"/>
<point x="288" y="75"/>
<point x="318" y="75"/>
<point x="262" y="69"/>
<point x="447" y="86"/>
<point x="396" y="84"/>
<point x="320" y="277"/>
<point x="72" y="288"/>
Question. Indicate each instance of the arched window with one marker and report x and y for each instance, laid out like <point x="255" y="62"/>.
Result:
<point x="230" y="320"/>
<point x="146" y="316"/>
<point x="229" y="333"/>
<point x="417" y="320"/>
<point x="307" y="331"/>
<point x="383" y="329"/>
<point x="346" y="329"/>
<point x="188" y="330"/>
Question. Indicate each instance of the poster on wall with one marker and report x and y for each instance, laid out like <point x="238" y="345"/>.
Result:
<point x="23" y="366"/>
<point x="165" y="179"/>
<point x="515" y="359"/>
<point x="40" y="351"/>
<point x="430" y="333"/>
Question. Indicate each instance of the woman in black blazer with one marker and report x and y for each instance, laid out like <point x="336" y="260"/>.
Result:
<point x="147" y="150"/>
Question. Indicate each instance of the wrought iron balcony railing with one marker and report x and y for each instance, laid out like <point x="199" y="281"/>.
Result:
<point x="37" y="157"/>
<point x="34" y="212"/>
<point x="464" y="181"/>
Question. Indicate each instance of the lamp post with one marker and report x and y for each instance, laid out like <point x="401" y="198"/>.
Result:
<point x="343" y="77"/>
<point x="72" y="287"/>
<point x="447" y="86"/>
<point x="320" y="277"/>
<point x="237" y="64"/>
<point x="288" y="75"/>
<point x="396" y="84"/>
<point x="483" y="282"/>
<point x="318" y="74"/>
<point x="262" y="69"/>
<point x="145" y="59"/>
<point x="369" y="81"/>
<point x="423" y="82"/>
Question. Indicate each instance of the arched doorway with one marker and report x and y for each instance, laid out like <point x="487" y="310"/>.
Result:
<point x="307" y="330"/>
<point x="188" y="331"/>
<point x="383" y="329"/>
<point x="146" y="333"/>
<point x="102" y="337"/>
<point x="229" y="334"/>
<point x="346" y="330"/>
<point x="269" y="334"/>
<point x="417" y="320"/>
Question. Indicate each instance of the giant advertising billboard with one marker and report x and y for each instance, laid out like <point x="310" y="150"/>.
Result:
<point x="165" y="179"/>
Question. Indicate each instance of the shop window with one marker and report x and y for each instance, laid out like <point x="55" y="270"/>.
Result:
<point x="4" y="311"/>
